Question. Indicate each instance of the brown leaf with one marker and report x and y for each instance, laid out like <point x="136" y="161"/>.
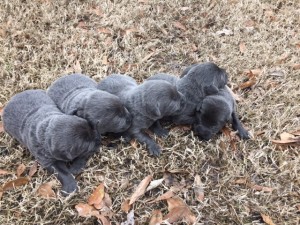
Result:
<point x="241" y="181"/>
<point x="243" y="47"/>
<point x="77" y="67"/>
<point x="287" y="139"/>
<point x="198" y="188"/>
<point x="46" y="191"/>
<point x="104" y="30"/>
<point x="4" y="172"/>
<point x="131" y="30"/>
<point x="179" y="25"/>
<point x="85" y="210"/>
<point x="156" y="218"/>
<point x="296" y="66"/>
<point x="106" y="202"/>
<point x="97" y="195"/>
<point x="179" y="211"/>
<point x="247" y="84"/>
<point x="82" y="25"/>
<point x="125" y="207"/>
<point x="103" y="219"/>
<point x="20" y="170"/>
<point x="15" y="183"/>
<point x="33" y="169"/>
<point x="165" y="196"/>
<point x="141" y="189"/>
<point x="267" y="219"/>
<point x="261" y="188"/>
<point x="105" y="60"/>
<point x="1" y="127"/>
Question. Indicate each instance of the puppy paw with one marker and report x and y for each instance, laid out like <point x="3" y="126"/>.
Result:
<point x="163" y="133"/>
<point x="69" y="188"/>
<point x="243" y="134"/>
<point x="155" y="151"/>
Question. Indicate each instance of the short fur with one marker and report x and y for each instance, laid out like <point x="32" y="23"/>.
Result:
<point x="52" y="137"/>
<point x="147" y="103"/>
<point x="77" y="94"/>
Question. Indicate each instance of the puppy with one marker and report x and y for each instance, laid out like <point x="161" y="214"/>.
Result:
<point x="196" y="82"/>
<point x="147" y="103"/>
<point x="53" y="138"/>
<point x="216" y="110"/>
<point x="77" y="94"/>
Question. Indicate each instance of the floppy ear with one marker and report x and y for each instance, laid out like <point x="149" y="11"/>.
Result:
<point x="211" y="90"/>
<point x="154" y="110"/>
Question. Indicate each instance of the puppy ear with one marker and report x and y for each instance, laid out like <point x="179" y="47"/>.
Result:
<point x="154" y="111"/>
<point x="211" y="90"/>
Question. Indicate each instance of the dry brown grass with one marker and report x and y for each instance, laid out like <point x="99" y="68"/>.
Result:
<point x="43" y="39"/>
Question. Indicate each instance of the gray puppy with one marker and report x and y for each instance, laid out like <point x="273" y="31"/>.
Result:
<point x="197" y="83"/>
<point x="147" y="103"/>
<point x="53" y="138"/>
<point x="77" y="94"/>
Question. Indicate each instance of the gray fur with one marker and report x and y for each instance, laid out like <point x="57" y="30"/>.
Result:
<point x="76" y="94"/>
<point x="147" y="103"/>
<point x="52" y="137"/>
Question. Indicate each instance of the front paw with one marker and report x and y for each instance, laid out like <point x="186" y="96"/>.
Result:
<point x="154" y="150"/>
<point x="243" y="134"/>
<point x="163" y="133"/>
<point x="68" y="188"/>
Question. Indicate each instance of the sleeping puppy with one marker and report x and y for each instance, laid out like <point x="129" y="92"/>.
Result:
<point x="53" y="138"/>
<point x="216" y="110"/>
<point x="77" y="94"/>
<point x="196" y="82"/>
<point x="147" y="103"/>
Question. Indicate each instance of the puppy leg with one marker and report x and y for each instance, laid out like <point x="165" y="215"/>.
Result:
<point x="78" y="164"/>
<point x="152" y="147"/>
<point x="159" y="130"/>
<point x="237" y="125"/>
<point x="63" y="174"/>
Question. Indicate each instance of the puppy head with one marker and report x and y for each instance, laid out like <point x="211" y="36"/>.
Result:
<point x="163" y="99"/>
<point x="70" y="136"/>
<point x="211" y="116"/>
<point x="106" y="113"/>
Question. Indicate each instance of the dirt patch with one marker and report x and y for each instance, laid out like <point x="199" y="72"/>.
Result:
<point x="42" y="40"/>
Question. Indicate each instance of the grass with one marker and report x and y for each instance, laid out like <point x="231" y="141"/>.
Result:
<point x="42" y="40"/>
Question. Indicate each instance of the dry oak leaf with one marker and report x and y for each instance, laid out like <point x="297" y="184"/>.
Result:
<point x="287" y="139"/>
<point x="85" y="210"/>
<point x="165" y="196"/>
<point x="104" y="30"/>
<point x="20" y="169"/>
<point x="97" y="195"/>
<point x="33" y="169"/>
<point x="198" y="188"/>
<point x="46" y="191"/>
<point x="156" y="218"/>
<point x="179" y="211"/>
<point x="248" y="84"/>
<point x="253" y="186"/>
<point x="125" y="207"/>
<point x="1" y="127"/>
<point x="267" y="219"/>
<point x="243" y="47"/>
<point x="141" y="189"/>
<point x="179" y="25"/>
<point x="15" y="183"/>
<point x="4" y="172"/>
<point x="106" y="203"/>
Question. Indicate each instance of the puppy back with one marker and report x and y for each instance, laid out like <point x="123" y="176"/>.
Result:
<point x="164" y="76"/>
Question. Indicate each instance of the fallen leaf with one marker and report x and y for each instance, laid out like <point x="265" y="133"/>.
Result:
<point x="104" y="30"/>
<point x="84" y="210"/>
<point x="20" y="169"/>
<point x="105" y="60"/>
<point x="125" y="207"/>
<point x="140" y="190"/>
<point x="283" y="58"/>
<point x="296" y="132"/>
<point x="1" y="127"/>
<point x="106" y="202"/>
<point x="15" y="183"/>
<point x="46" y="191"/>
<point x="77" y="67"/>
<point x="103" y="219"/>
<point x="33" y="169"/>
<point x="130" y="218"/>
<point x="241" y="181"/>
<point x="243" y="47"/>
<point x="179" y="211"/>
<point x="179" y="25"/>
<point x="260" y="188"/>
<point x="232" y="137"/>
<point x="253" y="73"/>
<point x="287" y="139"/>
<point x="156" y="218"/>
<point x="224" y="32"/>
<point x="4" y="172"/>
<point x="82" y="25"/>
<point x="267" y="219"/>
<point x="165" y="196"/>
<point x="198" y="188"/>
<point x="247" y="84"/>
<point x="296" y="66"/>
<point x="286" y="136"/>
<point x="154" y="184"/>
<point x="97" y="195"/>
<point x="131" y="30"/>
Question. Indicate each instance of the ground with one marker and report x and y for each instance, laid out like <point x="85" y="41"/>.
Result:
<point x="42" y="40"/>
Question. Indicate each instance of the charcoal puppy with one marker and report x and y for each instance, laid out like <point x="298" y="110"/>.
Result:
<point x="196" y="82"/>
<point x="52" y="137"/>
<point x="77" y="94"/>
<point x="147" y="103"/>
<point x="214" y="112"/>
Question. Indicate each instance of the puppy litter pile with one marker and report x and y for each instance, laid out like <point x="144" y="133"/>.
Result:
<point x="222" y="181"/>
